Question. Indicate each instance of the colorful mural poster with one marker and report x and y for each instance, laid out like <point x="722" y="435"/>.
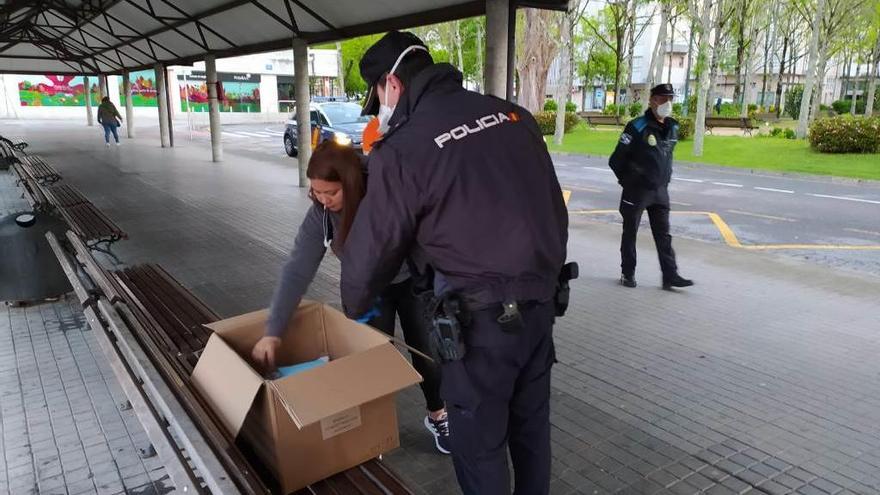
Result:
<point x="56" y="91"/>
<point x="143" y="89"/>
<point x="239" y="92"/>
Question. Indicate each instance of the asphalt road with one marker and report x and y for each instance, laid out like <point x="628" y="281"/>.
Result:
<point x="833" y="222"/>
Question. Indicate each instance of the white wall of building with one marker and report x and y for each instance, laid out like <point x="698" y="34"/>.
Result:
<point x="269" y="66"/>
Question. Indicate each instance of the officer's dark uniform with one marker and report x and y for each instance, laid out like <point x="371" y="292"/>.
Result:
<point x="642" y="162"/>
<point x="463" y="182"/>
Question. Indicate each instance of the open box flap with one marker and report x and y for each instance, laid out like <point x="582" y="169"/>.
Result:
<point x="344" y="383"/>
<point x="227" y="382"/>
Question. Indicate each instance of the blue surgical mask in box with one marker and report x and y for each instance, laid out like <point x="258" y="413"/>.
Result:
<point x="285" y="371"/>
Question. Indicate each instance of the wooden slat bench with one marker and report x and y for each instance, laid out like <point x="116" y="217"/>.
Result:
<point x="37" y="169"/>
<point x="8" y="155"/>
<point x="91" y="224"/>
<point x="743" y="123"/>
<point x="167" y="321"/>
<point x="83" y="217"/>
<point x="594" y="120"/>
<point x="15" y="142"/>
<point x="64" y="196"/>
<point x="33" y="194"/>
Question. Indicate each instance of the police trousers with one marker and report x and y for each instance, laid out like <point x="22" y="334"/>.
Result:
<point x="498" y="398"/>
<point x="634" y="201"/>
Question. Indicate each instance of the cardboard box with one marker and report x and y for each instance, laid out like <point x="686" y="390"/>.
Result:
<point x="316" y="423"/>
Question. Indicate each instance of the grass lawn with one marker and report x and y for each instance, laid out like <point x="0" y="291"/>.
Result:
<point x="783" y="155"/>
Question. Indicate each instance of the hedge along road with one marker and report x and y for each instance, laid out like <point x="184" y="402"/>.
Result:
<point x="828" y="221"/>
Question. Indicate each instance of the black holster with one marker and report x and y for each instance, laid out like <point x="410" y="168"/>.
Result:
<point x="570" y="271"/>
<point x="448" y="319"/>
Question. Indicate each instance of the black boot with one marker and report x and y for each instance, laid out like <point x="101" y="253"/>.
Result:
<point x="676" y="280"/>
<point x="628" y="280"/>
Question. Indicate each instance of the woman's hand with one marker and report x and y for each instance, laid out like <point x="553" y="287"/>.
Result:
<point x="264" y="352"/>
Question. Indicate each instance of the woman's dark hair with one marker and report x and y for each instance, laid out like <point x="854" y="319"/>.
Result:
<point x="334" y="162"/>
<point x="105" y="99"/>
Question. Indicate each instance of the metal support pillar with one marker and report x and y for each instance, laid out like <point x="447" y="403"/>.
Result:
<point x="497" y="19"/>
<point x="129" y="106"/>
<point x="102" y="85"/>
<point x="301" y="95"/>
<point x="88" y="95"/>
<point x="162" y="99"/>
<point x="214" y="108"/>
<point x="170" y="107"/>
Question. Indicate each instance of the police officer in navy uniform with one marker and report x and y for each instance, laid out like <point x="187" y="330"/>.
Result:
<point x="462" y="184"/>
<point x="642" y="163"/>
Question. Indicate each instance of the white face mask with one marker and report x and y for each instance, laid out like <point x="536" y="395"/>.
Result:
<point x="664" y="110"/>
<point x="385" y="111"/>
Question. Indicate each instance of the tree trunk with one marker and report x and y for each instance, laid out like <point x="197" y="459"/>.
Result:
<point x="702" y="78"/>
<point x="811" y="71"/>
<point x="563" y="86"/>
<point x="655" y="68"/>
<point x="872" y="77"/>
<point x="340" y="71"/>
<point x="687" y="74"/>
<point x="630" y="54"/>
<point x="538" y="51"/>
<point x="767" y="43"/>
<point x="820" y="82"/>
<point x="855" y="88"/>
<point x="479" y="69"/>
<point x="716" y="49"/>
<point x="779" y="102"/>
<point x="671" y="48"/>
<point x="740" y="48"/>
<point x="457" y="28"/>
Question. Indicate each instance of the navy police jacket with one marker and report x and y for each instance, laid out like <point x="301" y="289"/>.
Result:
<point x="643" y="157"/>
<point x="463" y="183"/>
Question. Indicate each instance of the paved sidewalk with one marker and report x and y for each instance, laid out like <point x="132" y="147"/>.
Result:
<point x="761" y="379"/>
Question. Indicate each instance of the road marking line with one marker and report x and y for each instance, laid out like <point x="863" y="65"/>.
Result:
<point x="726" y="232"/>
<point x="582" y="188"/>
<point x="860" y="231"/>
<point x="266" y="134"/>
<point x="770" y="189"/>
<point x="727" y="184"/>
<point x="758" y="215"/>
<point x="252" y="134"/>
<point x="845" y="198"/>
<point x="698" y="181"/>
<point x="731" y="240"/>
<point x="232" y="134"/>
<point x="846" y="247"/>
<point x="598" y="169"/>
<point x="592" y="212"/>
<point x="676" y="203"/>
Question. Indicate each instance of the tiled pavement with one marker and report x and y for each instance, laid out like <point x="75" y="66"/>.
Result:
<point x="761" y="379"/>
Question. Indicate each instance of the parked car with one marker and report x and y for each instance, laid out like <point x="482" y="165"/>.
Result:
<point x="337" y="120"/>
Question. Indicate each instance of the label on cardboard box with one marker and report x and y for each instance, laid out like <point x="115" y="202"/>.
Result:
<point x="340" y="423"/>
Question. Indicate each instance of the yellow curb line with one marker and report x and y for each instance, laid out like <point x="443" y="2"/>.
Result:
<point x="731" y="240"/>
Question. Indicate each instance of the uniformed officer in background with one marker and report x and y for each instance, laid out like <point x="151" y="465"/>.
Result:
<point x="463" y="185"/>
<point x="642" y="163"/>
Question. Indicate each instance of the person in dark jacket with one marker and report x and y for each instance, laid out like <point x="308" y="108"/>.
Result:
<point x="337" y="185"/>
<point x="463" y="184"/>
<point x="109" y="118"/>
<point x="642" y="163"/>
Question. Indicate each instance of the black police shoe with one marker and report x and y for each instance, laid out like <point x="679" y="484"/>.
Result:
<point x="628" y="280"/>
<point x="676" y="281"/>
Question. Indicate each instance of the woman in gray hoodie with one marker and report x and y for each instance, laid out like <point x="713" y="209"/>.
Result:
<point x="337" y="187"/>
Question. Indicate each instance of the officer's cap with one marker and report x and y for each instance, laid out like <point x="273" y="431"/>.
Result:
<point x="663" y="90"/>
<point x="379" y="59"/>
